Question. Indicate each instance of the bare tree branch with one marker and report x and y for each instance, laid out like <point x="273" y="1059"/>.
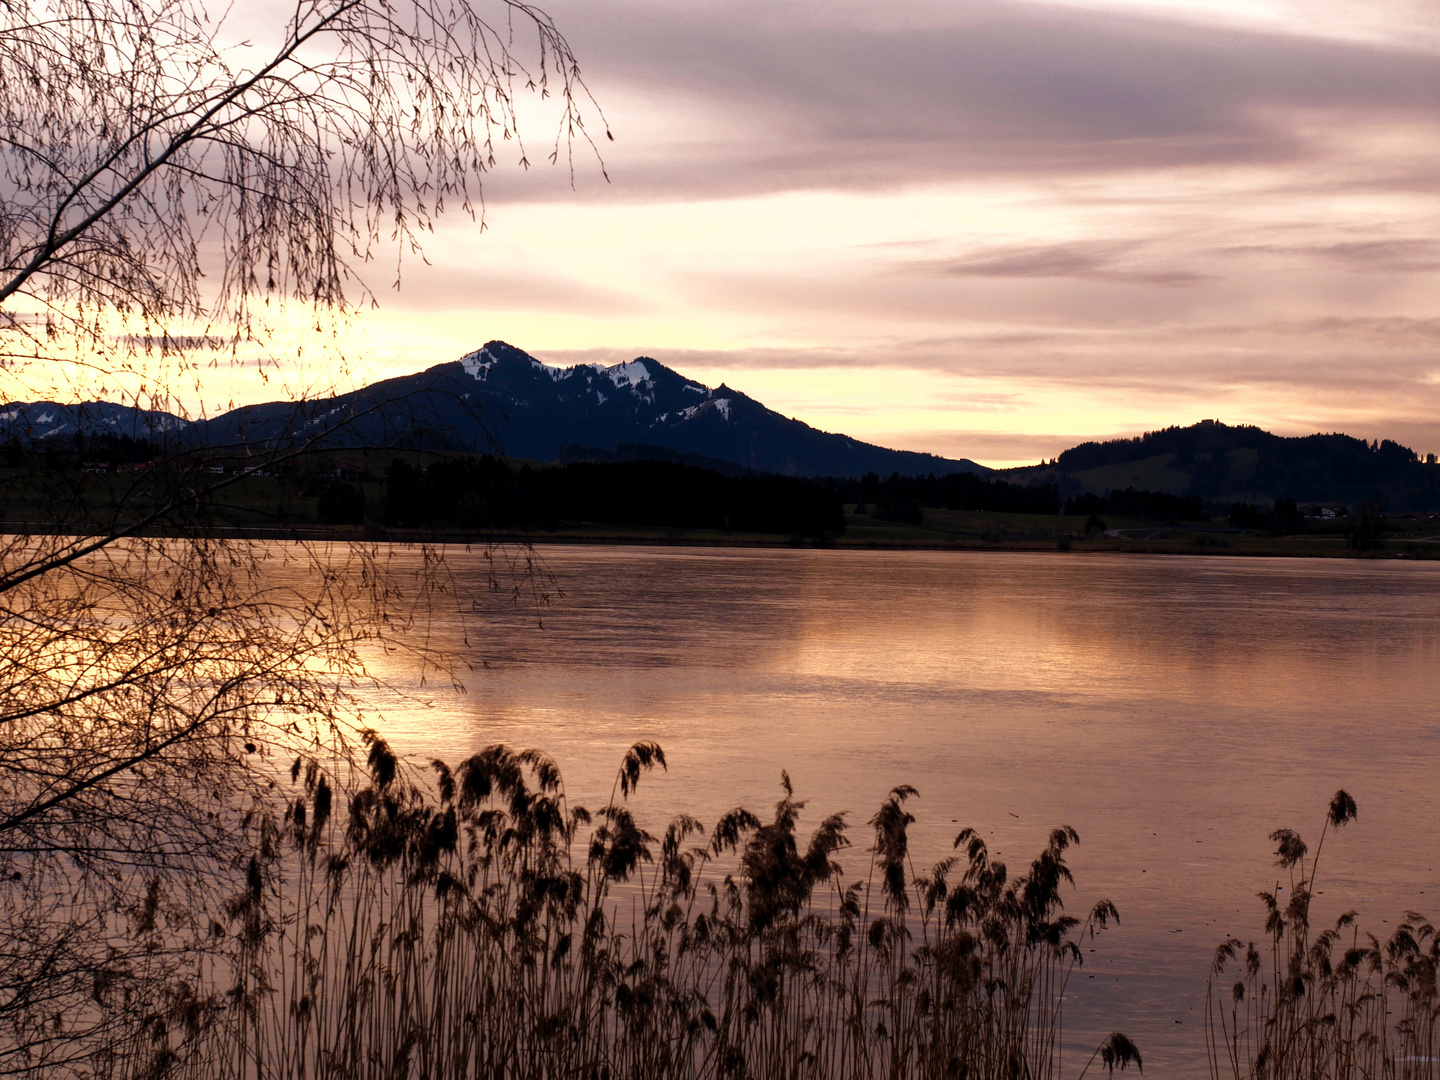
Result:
<point x="170" y="195"/>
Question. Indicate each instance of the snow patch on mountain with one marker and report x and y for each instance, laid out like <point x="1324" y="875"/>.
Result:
<point x="45" y="420"/>
<point x="631" y="373"/>
<point x="720" y="405"/>
<point x="322" y="418"/>
<point x="478" y="364"/>
<point x="157" y="422"/>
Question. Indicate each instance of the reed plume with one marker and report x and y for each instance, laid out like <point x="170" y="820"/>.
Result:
<point x="1335" y="1005"/>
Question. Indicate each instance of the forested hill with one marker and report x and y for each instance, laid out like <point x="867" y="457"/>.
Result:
<point x="1219" y="463"/>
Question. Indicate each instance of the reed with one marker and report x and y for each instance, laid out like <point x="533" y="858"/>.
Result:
<point x="1333" y="1005"/>
<point x="480" y="925"/>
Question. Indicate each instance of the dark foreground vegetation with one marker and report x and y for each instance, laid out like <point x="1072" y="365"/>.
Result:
<point x="482" y="926"/>
<point x="1335" y="1003"/>
<point x="476" y="924"/>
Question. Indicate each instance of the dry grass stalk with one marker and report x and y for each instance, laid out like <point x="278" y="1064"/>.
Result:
<point x="485" y="927"/>
<point x="1338" y="1005"/>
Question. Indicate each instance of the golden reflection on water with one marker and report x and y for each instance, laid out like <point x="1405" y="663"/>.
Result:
<point x="1174" y="710"/>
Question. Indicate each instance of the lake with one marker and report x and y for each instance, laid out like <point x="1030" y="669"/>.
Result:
<point x="1173" y="710"/>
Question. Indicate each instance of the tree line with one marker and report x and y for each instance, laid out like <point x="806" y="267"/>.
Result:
<point x="105" y="449"/>
<point x="487" y="492"/>
<point x="1136" y="503"/>
<point x="900" y="498"/>
<point x="1283" y="516"/>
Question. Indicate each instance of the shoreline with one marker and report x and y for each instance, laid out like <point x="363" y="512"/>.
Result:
<point x="1232" y="543"/>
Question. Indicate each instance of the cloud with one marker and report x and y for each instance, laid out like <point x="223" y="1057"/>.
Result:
<point x="1372" y="360"/>
<point x="1390" y="256"/>
<point x="993" y="397"/>
<point x="1093" y="260"/>
<point x="1031" y="215"/>
<point x="780" y="99"/>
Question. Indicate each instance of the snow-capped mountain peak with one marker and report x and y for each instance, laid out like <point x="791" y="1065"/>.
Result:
<point x="483" y="364"/>
<point x="641" y="395"/>
<point x="500" y="399"/>
<point x="479" y="363"/>
<point x="630" y="373"/>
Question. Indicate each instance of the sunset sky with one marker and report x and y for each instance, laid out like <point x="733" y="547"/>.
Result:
<point x="982" y="228"/>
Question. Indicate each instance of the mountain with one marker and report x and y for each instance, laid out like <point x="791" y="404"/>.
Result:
<point x="48" y="421"/>
<point x="1223" y="464"/>
<point x="501" y="399"/>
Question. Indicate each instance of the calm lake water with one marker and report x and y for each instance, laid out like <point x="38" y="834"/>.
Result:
<point x="1173" y="710"/>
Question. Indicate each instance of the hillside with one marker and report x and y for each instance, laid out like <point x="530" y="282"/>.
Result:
<point x="1222" y="464"/>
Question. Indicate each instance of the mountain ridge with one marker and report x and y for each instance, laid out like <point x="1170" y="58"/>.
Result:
<point x="499" y="398"/>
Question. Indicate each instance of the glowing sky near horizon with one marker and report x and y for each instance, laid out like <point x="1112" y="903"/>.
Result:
<point x="984" y="229"/>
